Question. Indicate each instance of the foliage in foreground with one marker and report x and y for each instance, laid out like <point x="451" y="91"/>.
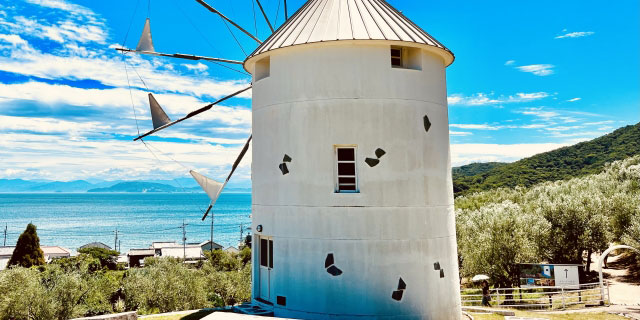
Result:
<point x="551" y="222"/>
<point x="81" y="286"/>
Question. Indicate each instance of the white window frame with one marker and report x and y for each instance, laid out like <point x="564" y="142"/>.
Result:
<point x="355" y="163"/>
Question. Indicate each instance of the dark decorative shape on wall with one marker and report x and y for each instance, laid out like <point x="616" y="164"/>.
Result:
<point x="441" y="273"/>
<point x="436" y="266"/>
<point x="286" y="158"/>
<point x="283" y="168"/>
<point x="372" y="162"/>
<point x="401" y="284"/>
<point x="329" y="260"/>
<point x="329" y="265"/>
<point x="397" y="295"/>
<point x="281" y="300"/>
<point x="334" y="271"/>
<point x="427" y="123"/>
<point x="380" y="153"/>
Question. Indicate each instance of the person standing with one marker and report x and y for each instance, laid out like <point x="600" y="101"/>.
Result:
<point x="486" y="297"/>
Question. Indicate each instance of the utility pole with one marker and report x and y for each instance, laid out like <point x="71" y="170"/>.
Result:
<point x="5" y="236"/>
<point x="115" y="242"/>
<point x="241" y="233"/>
<point x="119" y="246"/>
<point x="212" y="231"/>
<point x="184" y="241"/>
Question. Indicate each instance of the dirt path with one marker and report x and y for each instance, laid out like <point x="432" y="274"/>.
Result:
<point x="622" y="292"/>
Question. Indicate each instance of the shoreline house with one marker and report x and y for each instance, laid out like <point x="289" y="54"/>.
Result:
<point x="191" y="252"/>
<point x="50" y="253"/>
<point x="5" y="256"/>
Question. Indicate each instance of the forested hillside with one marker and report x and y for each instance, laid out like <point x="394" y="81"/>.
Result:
<point x="574" y="161"/>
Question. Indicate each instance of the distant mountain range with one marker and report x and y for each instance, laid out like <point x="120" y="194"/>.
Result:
<point x="76" y="186"/>
<point x="573" y="161"/>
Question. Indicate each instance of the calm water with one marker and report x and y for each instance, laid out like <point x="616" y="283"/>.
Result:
<point x="73" y="219"/>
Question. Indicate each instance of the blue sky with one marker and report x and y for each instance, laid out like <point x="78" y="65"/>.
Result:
<point x="528" y="77"/>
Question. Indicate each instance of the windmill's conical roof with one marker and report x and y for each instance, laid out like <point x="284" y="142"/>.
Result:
<point x="333" y="20"/>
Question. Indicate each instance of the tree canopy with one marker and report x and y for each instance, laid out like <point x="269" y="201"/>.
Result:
<point x="27" y="252"/>
<point x="551" y="222"/>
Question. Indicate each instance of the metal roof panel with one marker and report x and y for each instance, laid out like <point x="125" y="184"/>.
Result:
<point x="330" y="20"/>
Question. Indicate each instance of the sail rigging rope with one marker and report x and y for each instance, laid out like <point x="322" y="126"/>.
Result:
<point x="126" y="35"/>
<point x="207" y="40"/>
<point x="133" y="106"/>
<point x="234" y="37"/>
<point x="255" y="21"/>
<point x="275" y="23"/>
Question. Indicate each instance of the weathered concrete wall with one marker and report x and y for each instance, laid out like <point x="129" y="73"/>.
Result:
<point x="133" y="315"/>
<point x="401" y="223"/>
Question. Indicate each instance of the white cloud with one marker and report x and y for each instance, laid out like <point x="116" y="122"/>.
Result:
<point x="460" y="133"/>
<point x="482" y="99"/>
<point x="538" y="69"/>
<point x="574" y="99"/>
<point x="578" y="34"/>
<point x="63" y="5"/>
<point x="509" y="62"/>
<point x="474" y="126"/>
<point x="46" y="143"/>
<point x="540" y="112"/>
<point x="37" y="156"/>
<point x="462" y="154"/>
<point x="201" y="67"/>
<point x="533" y="126"/>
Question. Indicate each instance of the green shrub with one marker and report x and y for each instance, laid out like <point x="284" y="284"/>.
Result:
<point x="163" y="286"/>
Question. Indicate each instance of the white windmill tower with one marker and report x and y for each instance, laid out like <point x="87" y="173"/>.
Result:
<point x="352" y="195"/>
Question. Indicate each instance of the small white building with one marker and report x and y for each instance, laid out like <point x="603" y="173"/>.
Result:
<point x="5" y="256"/>
<point x="55" y="252"/>
<point x="352" y="205"/>
<point x="50" y="253"/>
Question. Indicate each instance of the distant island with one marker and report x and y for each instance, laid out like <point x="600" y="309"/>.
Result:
<point x="82" y="186"/>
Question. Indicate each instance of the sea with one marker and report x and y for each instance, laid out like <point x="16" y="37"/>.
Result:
<point x="71" y="220"/>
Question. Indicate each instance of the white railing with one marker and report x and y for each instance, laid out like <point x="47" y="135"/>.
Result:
<point x="541" y="298"/>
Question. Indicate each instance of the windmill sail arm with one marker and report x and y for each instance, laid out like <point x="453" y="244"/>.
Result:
<point x="240" y="156"/>
<point x="180" y="56"/>
<point x="212" y="9"/>
<point x="207" y="212"/>
<point x="193" y="113"/>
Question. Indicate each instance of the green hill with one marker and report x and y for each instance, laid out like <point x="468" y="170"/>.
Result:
<point x="568" y="162"/>
<point x="475" y="168"/>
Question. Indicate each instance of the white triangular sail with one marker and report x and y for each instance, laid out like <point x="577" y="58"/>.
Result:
<point x="210" y="186"/>
<point x="158" y="116"/>
<point x="145" y="43"/>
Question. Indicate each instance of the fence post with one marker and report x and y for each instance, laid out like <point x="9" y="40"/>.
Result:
<point x="563" y="304"/>
<point x="608" y="294"/>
